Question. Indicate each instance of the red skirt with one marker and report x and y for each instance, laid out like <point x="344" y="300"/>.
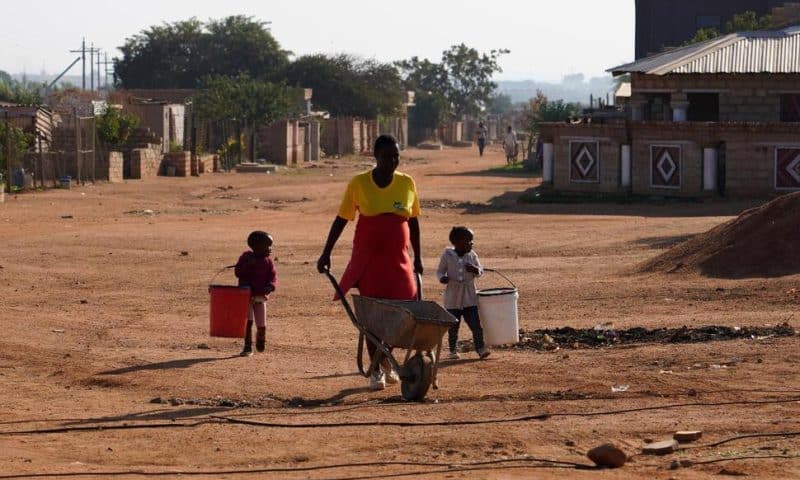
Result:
<point x="380" y="265"/>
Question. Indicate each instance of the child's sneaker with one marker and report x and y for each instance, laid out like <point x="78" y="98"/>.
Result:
<point x="484" y="353"/>
<point x="390" y="376"/>
<point x="377" y="381"/>
<point x="247" y="351"/>
<point x="454" y="355"/>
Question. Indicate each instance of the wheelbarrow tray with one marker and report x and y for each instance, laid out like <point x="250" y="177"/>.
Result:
<point x="411" y="325"/>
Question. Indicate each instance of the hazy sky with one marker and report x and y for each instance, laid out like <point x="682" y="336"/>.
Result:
<point x="547" y="39"/>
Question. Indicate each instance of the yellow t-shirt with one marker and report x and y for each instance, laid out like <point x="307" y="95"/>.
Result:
<point x="362" y="195"/>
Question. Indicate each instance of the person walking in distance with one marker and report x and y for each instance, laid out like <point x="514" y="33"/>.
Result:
<point x="481" y="134"/>
<point x="510" y="145"/>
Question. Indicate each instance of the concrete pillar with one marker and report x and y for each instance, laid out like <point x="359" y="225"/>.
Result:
<point x="314" y="131"/>
<point x="709" y="169"/>
<point x="547" y="163"/>
<point x="679" y="102"/>
<point x="626" y="166"/>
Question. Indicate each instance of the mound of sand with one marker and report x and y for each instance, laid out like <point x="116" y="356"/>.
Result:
<point x="762" y="242"/>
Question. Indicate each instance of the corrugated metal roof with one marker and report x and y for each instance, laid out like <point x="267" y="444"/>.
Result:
<point x="744" y="52"/>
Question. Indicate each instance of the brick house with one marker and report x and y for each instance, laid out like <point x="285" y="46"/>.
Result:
<point x="720" y="117"/>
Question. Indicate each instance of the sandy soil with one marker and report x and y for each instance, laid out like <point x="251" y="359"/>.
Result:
<point x="102" y="313"/>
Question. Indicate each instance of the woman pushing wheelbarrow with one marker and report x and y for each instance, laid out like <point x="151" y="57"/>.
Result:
<point x="380" y="265"/>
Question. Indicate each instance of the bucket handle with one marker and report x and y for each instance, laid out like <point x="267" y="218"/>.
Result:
<point x="211" y="282"/>
<point x="504" y="277"/>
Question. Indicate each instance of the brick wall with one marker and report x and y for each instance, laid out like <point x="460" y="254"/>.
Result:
<point x="341" y="136"/>
<point x="749" y="150"/>
<point x="275" y="142"/>
<point x="565" y="137"/>
<point x="742" y="98"/>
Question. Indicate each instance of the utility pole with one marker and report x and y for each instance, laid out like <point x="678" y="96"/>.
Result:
<point x="91" y="67"/>
<point x="8" y="150"/>
<point x="98" y="69"/>
<point x="82" y="51"/>
<point x="106" y="70"/>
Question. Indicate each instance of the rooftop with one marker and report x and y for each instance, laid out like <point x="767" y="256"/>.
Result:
<point x="768" y="51"/>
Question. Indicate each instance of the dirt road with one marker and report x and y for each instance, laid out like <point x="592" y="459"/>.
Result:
<point x="104" y="312"/>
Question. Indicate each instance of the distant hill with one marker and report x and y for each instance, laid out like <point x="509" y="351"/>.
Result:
<point x="573" y="88"/>
<point x="48" y="77"/>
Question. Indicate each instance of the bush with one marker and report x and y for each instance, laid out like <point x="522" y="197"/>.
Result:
<point x="115" y="126"/>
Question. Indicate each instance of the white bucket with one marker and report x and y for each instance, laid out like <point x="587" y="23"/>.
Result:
<point x="497" y="308"/>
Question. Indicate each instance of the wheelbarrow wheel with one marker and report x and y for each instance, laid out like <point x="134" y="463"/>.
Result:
<point x="418" y="376"/>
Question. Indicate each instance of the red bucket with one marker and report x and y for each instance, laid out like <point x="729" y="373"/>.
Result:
<point x="228" y="310"/>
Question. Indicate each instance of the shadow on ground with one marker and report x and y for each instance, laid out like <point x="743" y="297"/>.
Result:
<point x="168" y="365"/>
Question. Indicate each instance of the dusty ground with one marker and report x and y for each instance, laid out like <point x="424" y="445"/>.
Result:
<point x="102" y="313"/>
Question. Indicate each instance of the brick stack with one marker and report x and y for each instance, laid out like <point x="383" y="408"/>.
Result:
<point x="115" y="163"/>
<point x="180" y="161"/>
<point x="145" y="163"/>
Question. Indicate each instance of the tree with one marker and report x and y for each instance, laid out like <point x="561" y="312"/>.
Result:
<point x="244" y="103"/>
<point x="743" y="22"/>
<point x="499" y="103"/>
<point x="20" y="92"/>
<point x="346" y="85"/>
<point x="541" y="109"/>
<point x="20" y="142"/>
<point x="179" y="54"/>
<point x="463" y="77"/>
<point x="115" y="126"/>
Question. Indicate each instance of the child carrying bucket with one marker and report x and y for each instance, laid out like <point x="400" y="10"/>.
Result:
<point x="458" y="268"/>
<point x="256" y="270"/>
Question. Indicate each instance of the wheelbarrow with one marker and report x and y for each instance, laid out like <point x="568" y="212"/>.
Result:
<point x="418" y="327"/>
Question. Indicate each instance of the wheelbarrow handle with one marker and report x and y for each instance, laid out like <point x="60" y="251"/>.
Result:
<point x="418" y="278"/>
<point x="343" y="299"/>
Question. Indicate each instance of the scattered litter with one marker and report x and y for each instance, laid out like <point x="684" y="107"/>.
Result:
<point x="620" y="388"/>
<point x="666" y="372"/>
<point x="714" y="366"/>
<point x="84" y="302"/>
<point x="66" y="217"/>
<point x="58" y="330"/>
<point x="184" y="253"/>
<point x="203" y="346"/>
<point x="572" y="338"/>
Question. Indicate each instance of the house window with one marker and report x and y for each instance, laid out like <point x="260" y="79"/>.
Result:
<point x="709" y="21"/>
<point x="790" y="108"/>
<point x="657" y="108"/>
<point x="703" y="107"/>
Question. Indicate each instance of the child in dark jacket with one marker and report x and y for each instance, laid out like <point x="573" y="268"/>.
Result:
<point x="256" y="270"/>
